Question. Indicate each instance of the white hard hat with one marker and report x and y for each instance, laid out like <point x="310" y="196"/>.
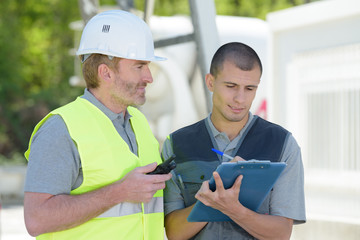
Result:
<point x="120" y="34"/>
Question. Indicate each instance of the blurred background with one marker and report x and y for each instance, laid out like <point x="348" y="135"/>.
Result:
<point x="311" y="85"/>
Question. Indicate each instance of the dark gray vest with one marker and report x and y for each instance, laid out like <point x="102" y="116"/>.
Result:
<point x="196" y="161"/>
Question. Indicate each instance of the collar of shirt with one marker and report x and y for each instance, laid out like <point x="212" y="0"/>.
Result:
<point x="215" y="132"/>
<point x="222" y="140"/>
<point x="110" y="114"/>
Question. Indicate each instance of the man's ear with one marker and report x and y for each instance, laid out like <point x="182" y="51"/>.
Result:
<point x="209" y="80"/>
<point x="104" y="72"/>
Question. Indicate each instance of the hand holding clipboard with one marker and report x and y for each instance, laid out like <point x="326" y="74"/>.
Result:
<point x="258" y="179"/>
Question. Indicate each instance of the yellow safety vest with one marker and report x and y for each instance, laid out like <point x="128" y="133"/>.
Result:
<point x="106" y="158"/>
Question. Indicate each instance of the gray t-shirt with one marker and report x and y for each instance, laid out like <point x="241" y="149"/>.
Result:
<point x="54" y="165"/>
<point x="286" y="199"/>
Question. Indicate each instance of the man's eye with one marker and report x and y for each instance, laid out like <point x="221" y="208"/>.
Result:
<point x="230" y="86"/>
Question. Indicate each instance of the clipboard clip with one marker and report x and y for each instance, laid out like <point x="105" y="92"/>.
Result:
<point x="254" y="164"/>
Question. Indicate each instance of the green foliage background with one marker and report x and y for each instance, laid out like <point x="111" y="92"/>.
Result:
<point x="35" y="64"/>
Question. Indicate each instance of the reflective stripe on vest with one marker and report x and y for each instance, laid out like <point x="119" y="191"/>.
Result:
<point x="156" y="205"/>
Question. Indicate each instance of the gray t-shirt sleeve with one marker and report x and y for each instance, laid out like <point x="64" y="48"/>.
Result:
<point x="287" y="198"/>
<point x="173" y="199"/>
<point x="54" y="162"/>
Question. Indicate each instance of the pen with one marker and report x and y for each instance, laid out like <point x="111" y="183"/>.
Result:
<point x="222" y="154"/>
<point x="181" y="181"/>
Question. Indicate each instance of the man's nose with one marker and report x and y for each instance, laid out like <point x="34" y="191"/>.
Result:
<point x="240" y="96"/>
<point x="147" y="75"/>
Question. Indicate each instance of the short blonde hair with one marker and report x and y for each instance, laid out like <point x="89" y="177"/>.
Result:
<point x="91" y="65"/>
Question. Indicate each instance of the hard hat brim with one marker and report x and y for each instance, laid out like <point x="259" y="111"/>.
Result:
<point x="90" y="51"/>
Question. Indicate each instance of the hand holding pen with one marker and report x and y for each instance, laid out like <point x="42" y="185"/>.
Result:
<point x="232" y="159"/>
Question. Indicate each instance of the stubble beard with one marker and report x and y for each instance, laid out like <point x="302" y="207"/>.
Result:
<point x="130" y="97"/>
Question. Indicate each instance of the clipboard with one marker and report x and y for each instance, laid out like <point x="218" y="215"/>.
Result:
<point x="258" y="179"/>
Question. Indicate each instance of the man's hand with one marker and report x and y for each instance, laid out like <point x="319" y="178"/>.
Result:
<point x="237" y="159"/>
<point x="139" y="187"/>
<point x="221" y="199"/>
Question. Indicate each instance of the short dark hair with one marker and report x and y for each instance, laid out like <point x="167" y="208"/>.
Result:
<point x="243" y="56"/>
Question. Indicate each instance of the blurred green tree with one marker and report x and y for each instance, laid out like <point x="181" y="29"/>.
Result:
<point x="245" y="8"/>
<point x="34" y="64"/>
